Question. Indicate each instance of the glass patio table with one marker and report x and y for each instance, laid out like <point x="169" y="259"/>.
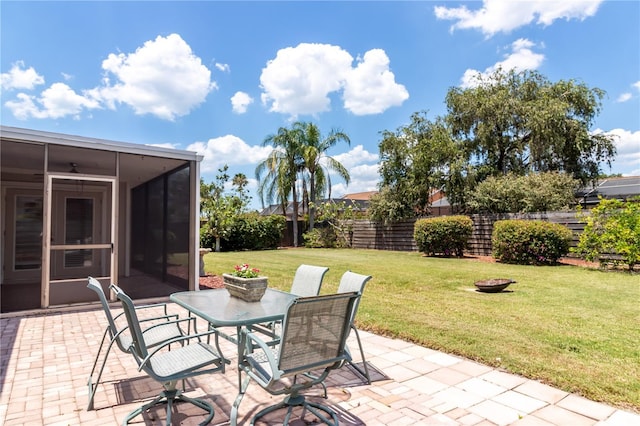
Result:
<point x="219" y="309"/>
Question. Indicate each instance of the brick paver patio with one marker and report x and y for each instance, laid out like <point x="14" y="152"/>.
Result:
<point x="46" y="359"/>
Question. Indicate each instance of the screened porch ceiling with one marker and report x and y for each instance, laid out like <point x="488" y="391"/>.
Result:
<point x="23" y="162"/>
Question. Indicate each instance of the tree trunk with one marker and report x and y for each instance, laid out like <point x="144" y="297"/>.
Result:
<point x="312" y="198"/>
<point x="217" y="244"/>
<point x="295" y="215"/>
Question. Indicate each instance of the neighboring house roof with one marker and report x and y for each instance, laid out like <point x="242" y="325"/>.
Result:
<point x="620" y="188"/>
<point x="365" y="196"/>
<point x="441" y="202"/>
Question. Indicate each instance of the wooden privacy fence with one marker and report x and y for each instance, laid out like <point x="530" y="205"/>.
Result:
<point x="376" y="235"/>
<point x="399" y="236"/>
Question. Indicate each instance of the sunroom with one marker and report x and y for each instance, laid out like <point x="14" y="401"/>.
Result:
<point x="74" y="207"/>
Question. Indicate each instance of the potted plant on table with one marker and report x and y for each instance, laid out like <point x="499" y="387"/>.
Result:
<point x="245" y="283"/>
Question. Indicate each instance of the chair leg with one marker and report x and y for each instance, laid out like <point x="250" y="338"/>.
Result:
<point x="316" y="409"/>
<point x="168" y="397"/>
<point x="364" y="373"/>
<point x="292" y="401"/>
<point x="94" y="386"/>
<point x="311" y="376"/>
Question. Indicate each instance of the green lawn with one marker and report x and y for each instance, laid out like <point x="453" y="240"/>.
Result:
<point x="574" y="328"/>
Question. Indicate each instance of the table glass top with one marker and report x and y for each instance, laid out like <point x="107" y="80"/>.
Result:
<point x="220" y="309"/>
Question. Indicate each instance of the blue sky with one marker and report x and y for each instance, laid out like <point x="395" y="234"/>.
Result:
<point x="218" y="77"/>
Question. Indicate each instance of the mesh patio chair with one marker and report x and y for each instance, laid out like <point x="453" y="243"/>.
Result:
<point x="193" y="358"/>
<point x="158" y="329"/>
<point x="308" y="280"/>
<point x="313" y="338"/>
<point x="350" y="282"/>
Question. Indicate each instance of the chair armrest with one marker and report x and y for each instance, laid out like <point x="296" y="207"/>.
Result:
<point x="166" y="316"/>
<point x="249" y="342"/>
<point x="153" y="305"/>
<point x="176" y="321"/>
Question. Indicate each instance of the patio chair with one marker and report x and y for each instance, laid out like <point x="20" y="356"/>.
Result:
<point x="308" y="280"/>
<point x="313" y="338"/>
<point x="193" y="358"/>
<point x="158" y="329"/>
<point x="350" y="282"/>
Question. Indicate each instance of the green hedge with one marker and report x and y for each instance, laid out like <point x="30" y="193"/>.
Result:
<point x="529" y="242"/>
<point x="249" y="232"/>
<point x="446" y="235"/>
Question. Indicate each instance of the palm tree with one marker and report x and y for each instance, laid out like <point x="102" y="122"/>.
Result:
<point x="317" y="163"/>
<point x="281" y="167"/>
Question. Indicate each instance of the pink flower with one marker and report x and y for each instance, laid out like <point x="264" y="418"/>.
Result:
<point x="244" y="271"/>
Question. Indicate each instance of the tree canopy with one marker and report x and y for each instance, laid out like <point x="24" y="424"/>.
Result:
<point x="413" y="163"/>
<point x="517" y="123"/>
<point x="219" y="208"/>
<point x="317" y="163"/>
<point x="520" y="122"/>
<point x="299" y="163"/>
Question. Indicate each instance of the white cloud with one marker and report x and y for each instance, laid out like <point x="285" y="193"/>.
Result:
<point x="240" y="102"/>
<point x="230" y="150"/>
<point x="624" y="97"/>
<point x="371" y="88"/>
<point x="300" y="80"/>
<point x="223" y="67"/>
<point x="357" y="155"/>
<point x="24" y="107"/>
<point x="364" y="176"/>
<point x="504" y="16"/>
<point x="163" y="78"/>
<point x="521" y="58"/>
<point x="628" y="151"/>
<point x="58" y="101"/>
<point x="20" y="77"/>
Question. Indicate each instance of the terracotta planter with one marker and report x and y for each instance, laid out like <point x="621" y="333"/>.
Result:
<point x="248" y="289"/>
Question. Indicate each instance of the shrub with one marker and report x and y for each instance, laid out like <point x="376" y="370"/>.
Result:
<point x="333" y="227"/>
<point x="446" y="235"/>
<point x="250" y="231"/>
<point x="207" y="240"/>
<point x="528" y="242"/>
<point x="324" y="237"/>
<point x="613" y="227"/>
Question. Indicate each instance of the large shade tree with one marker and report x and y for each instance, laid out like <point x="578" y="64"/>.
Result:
<point x="508" y="122"/>
<point x="520" y="122"/>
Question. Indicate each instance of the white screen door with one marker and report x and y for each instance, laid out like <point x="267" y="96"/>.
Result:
<point x="80" y="222"/>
